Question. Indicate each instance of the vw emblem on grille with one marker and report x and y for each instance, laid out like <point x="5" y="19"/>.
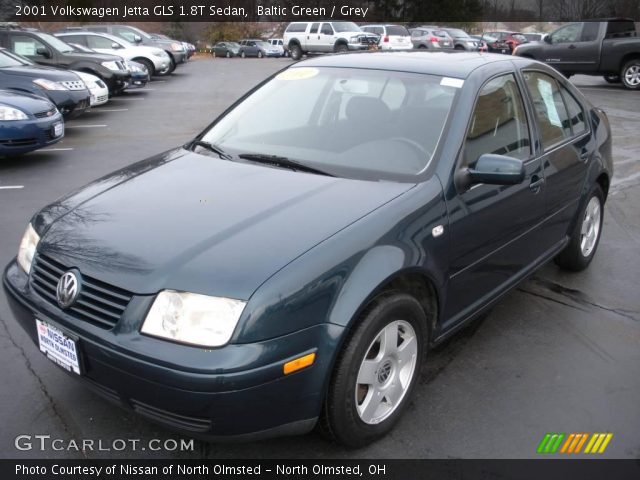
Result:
<point x="68" y="289"/>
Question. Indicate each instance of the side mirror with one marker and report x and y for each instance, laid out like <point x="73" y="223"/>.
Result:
<point x="137" y="38"/>
<point x="43" y="52"/>
<point x="547" y="39"/>
<point x="116" y="46"/>
<point x="493" y="170"/>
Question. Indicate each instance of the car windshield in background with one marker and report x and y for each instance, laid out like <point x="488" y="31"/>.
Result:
<point x="55" y="42"/>
<point x="366" y="124"/>
<point x="440" y="33"/>
<point x="10" y="60"/>
<point x="397" y="30"/>
<point x="345" y="27"/>
<point x="263" y="44"/>
<point x="455" y="33"/>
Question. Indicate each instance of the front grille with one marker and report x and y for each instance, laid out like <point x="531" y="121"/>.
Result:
<point x="48" y="113"/>
<point x="102" y="98"/>
<point x="98" y="303"/>
<point x="18" y="142"/>
<point x="74" y="84"/>
<point x="193" y="424"/>
<point x="84" y="103"/>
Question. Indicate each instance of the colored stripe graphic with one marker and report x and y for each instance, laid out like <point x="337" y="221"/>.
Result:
<point x="550" y="443"/>
<point x="574" y="443"/>
<point x="598" y="443"/>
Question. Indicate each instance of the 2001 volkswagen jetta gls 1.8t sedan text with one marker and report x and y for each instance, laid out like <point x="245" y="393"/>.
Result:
<point x="294" y="263"/>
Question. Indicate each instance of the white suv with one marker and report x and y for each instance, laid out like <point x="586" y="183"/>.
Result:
<point x="326" y="37"/>
<point x="392" y="37"/>
<point x="155" y="59"/>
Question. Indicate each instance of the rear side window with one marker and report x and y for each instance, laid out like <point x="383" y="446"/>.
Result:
<point x="550" y="110"/>
<point x="296" y="27"/>
<point x="576" y="113"/>
<point x="94" y="41"/>
<point x="590" y="31"/>
<point x="621" y="28"/>
<point x="499" y="123"/>
<point x="397" y="30"/>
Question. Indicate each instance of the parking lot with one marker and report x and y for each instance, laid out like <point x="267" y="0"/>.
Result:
<point x="559" y="354"/>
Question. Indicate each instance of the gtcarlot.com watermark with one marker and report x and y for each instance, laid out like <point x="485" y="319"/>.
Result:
<point x="44" y="443"/>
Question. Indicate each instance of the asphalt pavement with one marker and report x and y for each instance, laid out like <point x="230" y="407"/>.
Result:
<point x="559" y="354"/>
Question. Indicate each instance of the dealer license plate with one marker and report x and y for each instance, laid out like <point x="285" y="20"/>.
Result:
<point x="58" y="129"/>
<point x="58" y="347"/>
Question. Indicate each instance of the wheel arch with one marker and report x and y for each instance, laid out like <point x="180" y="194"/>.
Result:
<point x="626" y="58"/>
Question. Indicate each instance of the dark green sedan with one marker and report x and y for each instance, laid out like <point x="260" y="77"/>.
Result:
<point x="226" y="49"/>
<point x="294" y="263"/>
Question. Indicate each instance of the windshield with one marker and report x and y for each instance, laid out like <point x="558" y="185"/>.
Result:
<point x="8" y="60"/>
<point x="262" y="44"/>
<point x="397" y="30"/>
<point x="367" y="124"/>
<point x="55" y="43"/>
<point x="455" y="33"/>
<point x="345" y="27"/>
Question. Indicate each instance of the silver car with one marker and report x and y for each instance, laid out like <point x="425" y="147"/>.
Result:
<point x="431" y="38"/>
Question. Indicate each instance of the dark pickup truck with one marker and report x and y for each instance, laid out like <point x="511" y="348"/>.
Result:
<point x="609" y="48"/>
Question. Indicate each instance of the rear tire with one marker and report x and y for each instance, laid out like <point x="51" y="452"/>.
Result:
<point x="296" y="51"/>
<point x="228" y="54"/>
<point x="630" y="74"/>
<point x="586" y="234"/>
<point x="243" y="55"/>
<point x="376" y="371"/>
<point x="260" y="55"/>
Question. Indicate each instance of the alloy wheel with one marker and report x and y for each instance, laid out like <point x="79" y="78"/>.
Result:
<point x="386" y="371"/>
<point x="590" y="226"/>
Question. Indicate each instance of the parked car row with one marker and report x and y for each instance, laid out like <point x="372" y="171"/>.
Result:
<point x="46" y="78"/>
<point x="249" y="47"/>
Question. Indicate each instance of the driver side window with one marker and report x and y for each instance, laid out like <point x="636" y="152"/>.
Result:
<point x="568" y="34"/>
<point x="326" y="29"/>
<point x="498" y="123"/>
<point x="26" y="45"/>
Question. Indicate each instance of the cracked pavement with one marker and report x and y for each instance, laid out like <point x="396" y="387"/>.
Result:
<point x="560" y="353"/>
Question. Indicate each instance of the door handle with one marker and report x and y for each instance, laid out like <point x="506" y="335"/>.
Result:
<point x="536" y="183"/>
<point x="572" y="46"/>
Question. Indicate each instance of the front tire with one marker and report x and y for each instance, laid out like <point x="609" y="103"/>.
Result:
<point x="296" y="52"/>
<point x="586" y="233"/>
<point x="260" y="55"/>
<point x="341" y="48"/>
<point x="228" y="54"/>
<point x="630" y="74"/>
<point x="243" y="55"/>
<point x="376" y="371"/>
<point x="151" y="69"/>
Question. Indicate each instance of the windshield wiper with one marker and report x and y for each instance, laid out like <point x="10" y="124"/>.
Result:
<point x="282" y="162"/>
<point x="212" y="148"/>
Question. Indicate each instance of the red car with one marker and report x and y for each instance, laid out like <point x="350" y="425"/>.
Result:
<point x="503" y="42"/>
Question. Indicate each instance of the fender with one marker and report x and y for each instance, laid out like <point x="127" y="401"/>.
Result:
<point x="355" y="264"/>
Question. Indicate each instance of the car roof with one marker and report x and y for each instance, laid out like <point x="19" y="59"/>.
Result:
<point x="453" y="64"/>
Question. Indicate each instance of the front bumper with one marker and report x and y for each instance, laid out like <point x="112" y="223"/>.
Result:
<point x="27" y="135"/>
<point x="71" y="103"/>
<point x="235" y="391"/>
<point x="179" y="56"/>
<point x="117" y="80"/>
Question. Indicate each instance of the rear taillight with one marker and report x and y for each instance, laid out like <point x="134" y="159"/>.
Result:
<point x="386" y="40"/>
<point x="434" y="40"/>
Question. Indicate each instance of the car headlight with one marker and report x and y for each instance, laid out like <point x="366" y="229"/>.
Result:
<point x="110" y="65"/>
<point x="176" y="47"/>
<point x="48" y="84"/>
<point x="27" y="248"/>
<point x="10" y="113"/>
<point x="354" y="39"/>
<point x="192" y="318"/>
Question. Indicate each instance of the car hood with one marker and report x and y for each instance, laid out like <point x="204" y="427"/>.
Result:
<point x="37" y="71"/>
<point x="94" y="57"/>
<point x="196" y="223"/>
<point x="25" y="101"/>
